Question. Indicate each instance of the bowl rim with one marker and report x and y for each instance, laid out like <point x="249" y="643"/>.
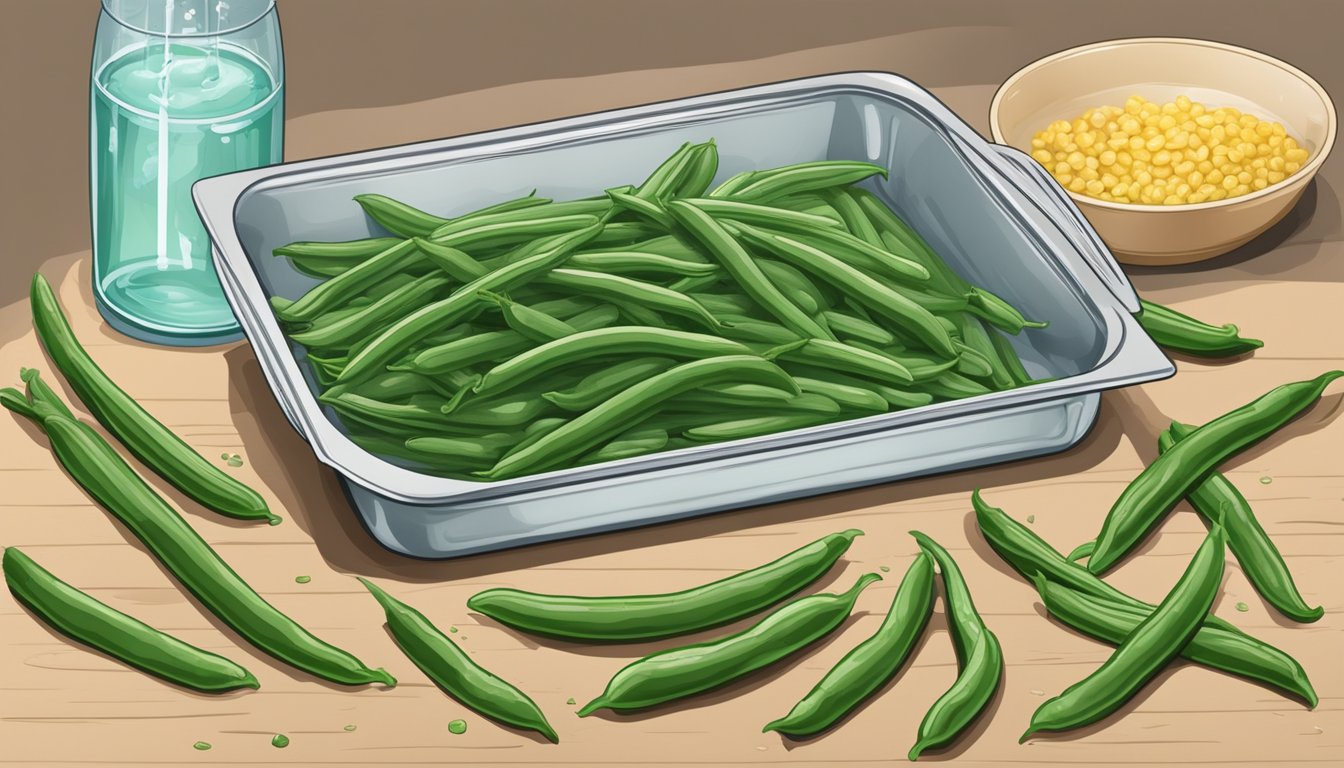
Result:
<point x="1303" y="174"/>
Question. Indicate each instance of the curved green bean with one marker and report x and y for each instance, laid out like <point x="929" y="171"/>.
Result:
<point x="399" y="218"/>
<point x="821" y="353"/>
<point x="755" y="426"/>
<point x="348" y="330"/>
<point x="1151" y="646"/>
<point x="1183" y="333"/>
<point x="453" y="671"/>
<point x="101" y="471"/>
<point x="871" y="663"/>
<point x="535" y="325"/>
<point x="144" y="436"/>
<point x="620" y="288"/>
<point x="681" y="672"/>
<point x="632" y="618"/>
<point x="598" y="386"/>
<point x="806" y="177"/>
<point x="847" y="396"/>
<point x="90" y="622"/>
<point x="641" y="262"/>
<point x="1173" y="474"/>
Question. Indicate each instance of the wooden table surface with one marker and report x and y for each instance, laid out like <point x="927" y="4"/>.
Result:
<point x="62" y="704"/>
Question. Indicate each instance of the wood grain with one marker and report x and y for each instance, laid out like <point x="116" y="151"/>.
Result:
<point x="62" y="704"/>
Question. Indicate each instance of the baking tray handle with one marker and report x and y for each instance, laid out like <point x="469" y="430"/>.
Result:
<point x="1056" y="205"/>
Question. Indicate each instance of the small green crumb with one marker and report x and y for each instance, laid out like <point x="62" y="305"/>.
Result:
<point x="280" y="740"/>
<point x="1243" y="607"/>
<point x="570" y="700"/>
<point x="276" y="520"/>
<point x="884" y="569"/>
<point x="224" y="456"/>
<point x="453" y="630"/>
<point x="350" y="727"/>
<point x="1031" y="518"/>
<point x="201" y="745"/>
<point x="235" y="460"/>
<point x="457" y="727"/>
<point x="302" y="579"/>
<point x="1266" y="480"/>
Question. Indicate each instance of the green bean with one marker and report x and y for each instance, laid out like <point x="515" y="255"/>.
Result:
<point x="640" y="262"/>
<point x="876" y="296"/>
<point x="897" y="398"/>
<point x="101" y="471"/>
<point x="606" y="382"/>
<point x="536" y="326"/>
<point x="739" y="395"/>
<point x="680" y="672"/>
<point x="350" y="329"/>
<point x="850" y="359"/>
<point x="812" y="203"/>
<point x="638" y="401"/>
<point x="999" y="313"/>
<point x="731" y="185"/>
<point x="871" y="663"/>
<point x="397" y="384"/>
<point x="849" y="250"/>
<point x="741" y="429"/>
<point x="671" y="246"/>
<point x="971" y="362"/>
<point x="1182" y="333"/>
<point x="1173" y="474"/>
<point x="1214" y="647"/>
<point x="325" y="370"/>
<point x="669" y="175"/>
<point x="605" y="342"/>
<point x="636" y="442"/>
<point x="383" y="447"/>
<point x="331" y="259"/>
<point x="493" y="345"/>
<point x="452" y="261"/>
<point x="1008" y="356"/>
<point x="633" y="618"/>
<point x="979" y="658"/>
<point x="976" y="338"/>
<point x="1217" y="500"/>
<point x="895" y="233"/>
<point x="621" y="288"/>
<point x="1028" y="554"/>
<point x="419" y="415"/>
<point x="745" y="328"/>
<point x="453" y="671"/>
<point x="1151" y="646"/>
<point x="952" y="386"/>
<point x="512" y="410"/>
<point x="700" y="171"/>
<point x="1081" y="551"/>
<point x="858" y="328"/>
<point x="794" y="284"/>
<point x="166" y="454"/>
<point x="535" y="431"/>
<point x="647" y="209"/>
<point x="762" y="215"/>
<point x="805" y="177"/>
<point x="850" y="397"/>
<point x="397" y="217"/>
<point x="637" y="314"/>
<point x="731" y="304"/>
<point x="103" y="628"/>
<point x="485" y="449"/>
<point x="855" y="220"/>
<point x="404" y="332"/>
<point x="498" y="222"/>
<point x="738" y="263"/>
<point x="625" y="233"/>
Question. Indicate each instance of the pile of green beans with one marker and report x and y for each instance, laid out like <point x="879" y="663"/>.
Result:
<point x="536" y="335"/>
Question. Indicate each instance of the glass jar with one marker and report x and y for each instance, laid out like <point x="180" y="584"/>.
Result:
<point x="180" y="90"/>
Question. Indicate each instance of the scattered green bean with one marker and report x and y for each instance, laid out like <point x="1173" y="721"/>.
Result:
<point x="399" y="218"/>
<point x="1182" y="333"/>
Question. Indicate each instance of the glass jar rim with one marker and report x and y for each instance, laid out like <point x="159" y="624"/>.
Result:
<point x="262" y="13"/>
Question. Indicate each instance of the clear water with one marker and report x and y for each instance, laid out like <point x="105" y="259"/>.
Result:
<point x="165" y="116"/>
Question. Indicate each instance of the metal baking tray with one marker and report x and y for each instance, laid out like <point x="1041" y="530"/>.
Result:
<point x="991" y="212"/>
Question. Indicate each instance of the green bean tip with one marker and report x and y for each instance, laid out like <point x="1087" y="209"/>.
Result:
<point x="592" y="706"/>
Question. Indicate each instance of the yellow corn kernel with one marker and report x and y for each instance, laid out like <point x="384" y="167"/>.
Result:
<point x="1089" y="174"/>
<point x="1275" y="177"/>
<point x="1095" y="187"/>
<point x="1218" y="194"/>
<point x="1241" y="189"/>
<point x="1098" y="119"/>
<point x="1154" y="144"/>
<point x="1205" y="189"/>
<point x="1172" y="200"/>
<point x="1244" y="177"/>
<point x="1162" y="171"/>
<point x="1289" y="142"/>
<point x="1124" y="159"/>
<point x="1162" y="157"/>
<point x="1120" y="190"/>
<point x="1204" y="166"/>
<point x="1214" y="177"/>
<point x="1143" y="177"/>
<point x="1291" y="167"/>
<point x="1064" y="179"/>
<point x="1107" y="157"/>
<point x="1230" y="183"/>
<point x="1184" y="169"/>
<point x="1077" y="185"/>
<point x="1261" y="173"/>
<point x="1042" y="156"/>
<point x="1195" y="178"/>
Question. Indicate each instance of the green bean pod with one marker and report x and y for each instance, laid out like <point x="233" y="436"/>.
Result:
<point x="763" y="215"/>
<point x="645" y="208"/>
<point x="605" y="342"/>
<point x="101" y="627"/>
<point x="1213" y="647"/>
<point x="1009" y="358"/>
<point x="636" y="442"/>
<point x="699" y="172"/>
<point x="101" y="471"/>
<point x="453" y="671"/>
<point x="330" y="259"/>
<point x="620" y="262"/>
<point x="636" y="618"/>
<point x="484" y="449"/>
<point x="755" y="426"/>
<point x="821" y="353"/>
<point x="669" y="175"/>
<point x="613" y="415"/>
<point x="895" y="233"/>
<point x="598" y="386"/>
<point x="1182" y="333"/>
<point x="731" y="185"/>
<point x="858" y="328"/>
<point x="874" y="295"/>
<point x="855" y="220"/>
<point x="795" y="285"/>
<point x="1173" y="474"/>
<point x="847" y="396"/>
<point x="805" y="177"/>
<point x="871" y="663"/>
<point x="976" y="338"/>
<point x="348" y="330"/>
<point x="399" y="218"/>
<point x="951" y="386"/>
<point x="403" y="333"/>
<point x="896" y="398"/>
<point x="1217" y="500"/>
<point x="999" y="312"/>
<point x="452" y="261"/>
<point x="144" y="436"/>
<point x="743" y="396"/>
<point x="518" y="224"/>
<point x="681" y="672"/>
<point x="492" y="345"/>
<point x="618" y="288"/>
<point x="738" y="263"/>
<point x="1156" y="640"/>
<point x="979" y="659"/>
<point x="510" y="410"/>
<point x="535" y="325"/>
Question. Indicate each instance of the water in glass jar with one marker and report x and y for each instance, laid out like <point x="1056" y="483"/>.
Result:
<point x="166" y="114"/>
